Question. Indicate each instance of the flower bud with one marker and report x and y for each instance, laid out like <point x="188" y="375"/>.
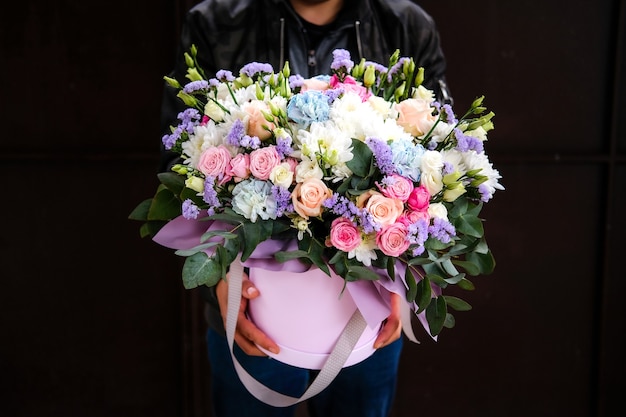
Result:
<point x="214" y="111"/>
<point x="195" y="183"/>
<point x="180" y="169"/>
<point x="419" y="78"/>
<point x="189" y="60"/>
<point x="451" y="179"/>
<point x="172" y="82"/>
<point x="452" y="194"/>
<point x="193" y="74"/>
<point x="481" y="121"/>
<point x="286" y="70"/>
<point x="187" y="99"/>
<point x="369" y="78"/>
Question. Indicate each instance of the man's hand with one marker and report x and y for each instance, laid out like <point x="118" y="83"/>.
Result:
<point x="247" y="335"/>
<point x="392" y="327"/>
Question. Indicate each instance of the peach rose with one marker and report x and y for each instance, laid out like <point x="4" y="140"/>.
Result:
<point x="308" y="197"/>
<point x="263" y="161"/>
<point x="392" y="239"/>
<point x="384" y="210"/>
<point x="257" y="124"/>
<point x="315" y="84"/>
<point x="344" y="235"/>
<point x="415" y="116"/>
<point x="213" y="161"/>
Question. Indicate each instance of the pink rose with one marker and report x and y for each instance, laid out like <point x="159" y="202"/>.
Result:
<point x="213" y="161"/>
<point x="293" y="163"/>
<point x="419" y="198"/>
<point x="307" y="197"/>
<point x="400" y="188"/>
<point x="257" y="124"/>
<point x="239" y="167"/>
<point x="349" y="84"/>
<point x="412" y="216"/>
<point x="262" y="161"/>
<point x="384" y="210"/>
<point x="393" y="239"/>
<point x="416" y="116"/>
<point x="344" y="235"/>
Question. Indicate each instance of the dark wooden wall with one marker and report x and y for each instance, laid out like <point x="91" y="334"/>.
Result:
<point x="94" y="321"/>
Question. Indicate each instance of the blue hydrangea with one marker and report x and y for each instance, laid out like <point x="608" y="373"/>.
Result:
<point x="308" y="107"/>
<point x="407" y="158"/>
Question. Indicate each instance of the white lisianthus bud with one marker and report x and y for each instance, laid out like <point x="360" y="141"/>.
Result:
<point x="451" y="194"/>
<point x="195" y="183"/>
<point x="424" y="93"/>
<point x="214" y="111"/>
<point x="438" y="210"/>
<point x="282" y="175"/>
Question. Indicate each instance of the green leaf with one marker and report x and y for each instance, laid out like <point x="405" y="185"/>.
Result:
<point x="448" y="266"/>
<point x="436" y="315"/>
<point x="165" y="205"/>
<point x="424" y="294"/>
<point x="449" y="322"/>
<point x="362" y="160"/>
<point x="470" y="267"/>
<point x="199" y="269"/>
<point x="409" y="278"/>
<point x="486" y="263"/>
<point x="141" y="211"/>
<point x="199" y="248"/>
<point x="285" y="256"/>
<point x="356" y="273"/>
<point x="457" y="304"/>
<point x="251" y="235"/>
<point x="173" y="181"/>
<point x="391" y="268"/>
<point x="466" y="284"/>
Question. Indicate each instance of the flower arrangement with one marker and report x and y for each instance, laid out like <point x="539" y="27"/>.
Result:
<point x="370" y="175"/>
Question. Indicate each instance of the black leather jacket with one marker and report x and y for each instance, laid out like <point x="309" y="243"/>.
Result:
<point x="232" y="33"/>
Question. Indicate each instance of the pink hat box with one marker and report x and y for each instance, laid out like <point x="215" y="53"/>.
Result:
<point x="305" y="314"/>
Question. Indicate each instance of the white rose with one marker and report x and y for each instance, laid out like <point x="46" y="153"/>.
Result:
<point x="308" y="169"/>
<point x="382" y="107"/>
<point x="282" y="175"/>
<point x="437" y="210"/>
<point x="431" y="167"/>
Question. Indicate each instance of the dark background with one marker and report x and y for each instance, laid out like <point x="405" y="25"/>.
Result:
<point x="95" y="322"/>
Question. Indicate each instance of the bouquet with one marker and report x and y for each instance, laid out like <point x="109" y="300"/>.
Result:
<point x="362" y="168"/>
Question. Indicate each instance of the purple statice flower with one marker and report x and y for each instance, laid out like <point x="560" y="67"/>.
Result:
<point x="333" y="94"/>
<point x="254" y="68"/>
<point x="418" y="233"/>
<point x="341" y="59"/>
<point x="432" y="145"/>
<point x="236" y="133"/>
<point x="282" y="196"/>
<point x="442" y="230"/>
<point x="485" y="192"/>
<point x="448" y="168"/>
<point x="251" y="142"/>
<point x="224" y="76"/>
<point x="296" y="81"/>
<point x="189" y="119"/>
<point x="194" y="86"/>
<point x="283" y="146"/>
<point x="190" y="210"/>
<point x="383" y="155"/>
<point x="214" y="83"/>
<point x="465" y="143"/>
<point x="396" y="68"/>
<point x="342" y="206"/>
<point x="210" y="194"/>
<point x="449" y="116"/>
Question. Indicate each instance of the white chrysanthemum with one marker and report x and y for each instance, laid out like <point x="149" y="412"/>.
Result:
<point x="354" y="117"/>
<point x="454" y="158"/>
<point x="475" y="160"/>
<point x="332" y="145"/>
<point x="390" y="131"/>
<point x="365" y="253"/>
<point x="204" y="137"/>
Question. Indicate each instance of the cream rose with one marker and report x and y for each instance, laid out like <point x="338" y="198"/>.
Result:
<point x="308" y="197"/>
<point x="438" y="210"/>
<point x="415" y="116"/>
<point x="282" y="175"/>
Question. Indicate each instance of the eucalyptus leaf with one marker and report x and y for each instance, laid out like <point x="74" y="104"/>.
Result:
<point x="436" y="315"/>
<point x="199" y="269"/>
<point x="457" y="304"/>
<point x="423" y="295"/>
<point x="362" y="159"/>
<point x="486" y="262"/>
<point x="466" y="284"/>
<point x="361" y="272"/>
<point x="469" y="267"/>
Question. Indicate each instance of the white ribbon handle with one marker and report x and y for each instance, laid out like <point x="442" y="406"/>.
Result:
<point x="334" y="363"/>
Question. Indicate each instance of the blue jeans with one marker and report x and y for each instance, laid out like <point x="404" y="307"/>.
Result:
<point x="366" y="389"/>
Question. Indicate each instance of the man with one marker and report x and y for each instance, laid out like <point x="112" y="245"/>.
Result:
<point x="229" y="34"/>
